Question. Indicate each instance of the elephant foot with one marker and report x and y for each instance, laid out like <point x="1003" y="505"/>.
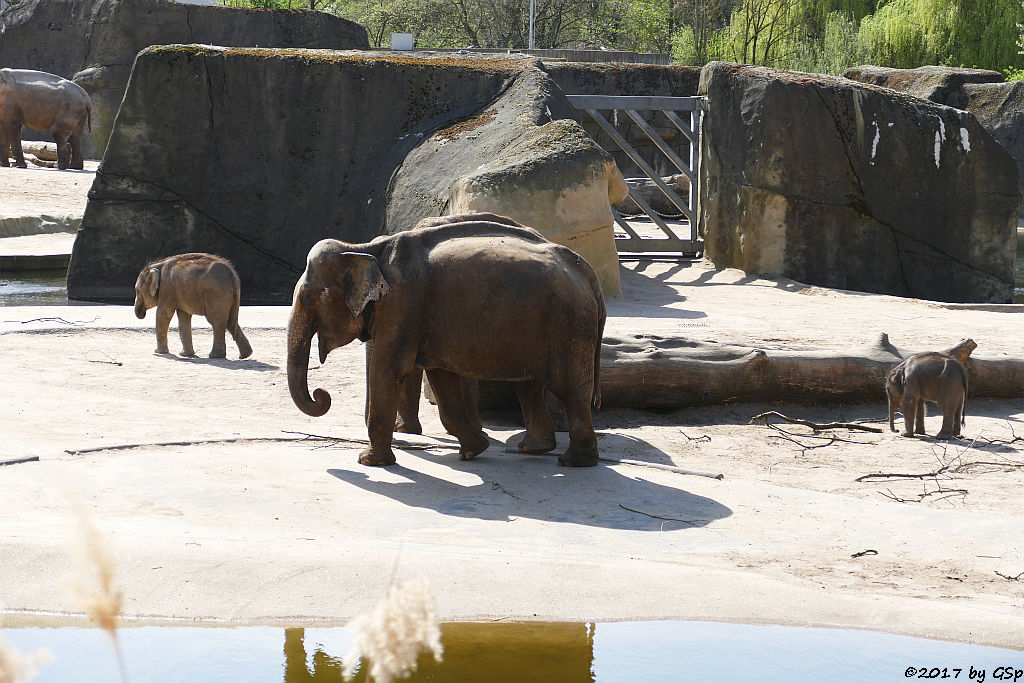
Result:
<point x="244" y="353"/>
<point x="574" y="457"/>
<point x="162" y="352"/>
<point x="536" y="445"/>
<point x="474" y="446"/>
<point x="907" y="434"/>
<point x="217" y="353"/>
<point x="21" y="165"/>
<point x="946" y="436"/>
<point x="188" y="354"/>
<point x="408" y="426"/>
<point x="375" y="459"/>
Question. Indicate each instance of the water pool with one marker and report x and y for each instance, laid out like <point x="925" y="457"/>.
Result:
<point x="502" y="652"/>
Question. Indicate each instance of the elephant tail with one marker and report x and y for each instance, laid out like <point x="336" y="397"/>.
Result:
<point x="602" y="314"/>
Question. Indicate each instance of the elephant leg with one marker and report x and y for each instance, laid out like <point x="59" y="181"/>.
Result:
<point x="573" y="385"/>
<point x="16" y="151"/>
<point x="382" y="387"/>
<point x="540" y="428"/>
<point x="63" y="150"/>
<point x="5" y="148"/>
<point x="77" y="161"/>
<point x="408" y="421"/>
<point x="185" y="333"/>
<point x="451" y="405"/>
<point x="947" y="431"/>
<point x="471" y="399"/>
<point x="909" y="409"/>
<point x="919" y="419"/>
<point x="220" y="328"/>
<point x="244" y="347"/>
<point x="163" y="321"/>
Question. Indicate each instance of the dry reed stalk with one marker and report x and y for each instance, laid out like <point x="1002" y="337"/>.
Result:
<point x="95" y="586"/>
<point x="402" y="623"/>
<point x="17" y="667"/>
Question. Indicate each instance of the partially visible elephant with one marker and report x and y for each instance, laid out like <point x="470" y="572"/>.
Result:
<point x="45" y="102"/>
<point x="192" y="284"/>
<point x="929" y="376"/>
<point x="468" y="300"/>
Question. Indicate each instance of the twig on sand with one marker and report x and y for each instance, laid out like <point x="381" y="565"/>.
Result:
<point x="763" y="417"/>
<point x="62" y="321"/>
<point x="667" y="519"/>
<point x="302" y="436"/>
<point x="943" y="493"/>
<point x="108" y="361"/>
<point x="1010" y="578"/>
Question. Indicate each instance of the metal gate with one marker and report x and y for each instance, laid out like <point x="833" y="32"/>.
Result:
<point x="643" y="236"/>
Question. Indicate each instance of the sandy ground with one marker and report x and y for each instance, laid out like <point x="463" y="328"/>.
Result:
<point x="43" y="200"/>
<point x="216" y="509"/>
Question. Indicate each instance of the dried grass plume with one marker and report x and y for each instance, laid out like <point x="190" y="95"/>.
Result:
<point x="18" y="667"/>
<point x="402" y="623"/>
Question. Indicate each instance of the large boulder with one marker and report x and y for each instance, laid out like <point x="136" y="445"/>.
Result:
<point x="847" y="185"/>
<point x="94" y="42"/>
<point x="349" y="145"/>
<point x="998" y="106"/>
<point x="942" y="84"/>
<point x="521" y="159"/>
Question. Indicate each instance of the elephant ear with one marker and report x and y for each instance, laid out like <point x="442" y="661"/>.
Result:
<point x="366" y="281"/>
<point x="898" y="378"/>
<point x="153" y="282"/>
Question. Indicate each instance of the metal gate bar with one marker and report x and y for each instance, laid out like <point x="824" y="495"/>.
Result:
<point x="632" y="105"/>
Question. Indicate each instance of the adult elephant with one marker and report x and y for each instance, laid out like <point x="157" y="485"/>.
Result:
<point x="45" y="102"/>
<point x="470" y="300"/>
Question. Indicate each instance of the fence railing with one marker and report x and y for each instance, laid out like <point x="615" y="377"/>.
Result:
<point x="670" y="108"/>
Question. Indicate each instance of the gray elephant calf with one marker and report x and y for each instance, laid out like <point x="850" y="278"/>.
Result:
<point x="192" y="284"/>
<point x="933" y="377"/>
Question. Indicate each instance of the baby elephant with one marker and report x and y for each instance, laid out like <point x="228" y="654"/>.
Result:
<point x="192" y="284"/>
<point x="929" y="376"/>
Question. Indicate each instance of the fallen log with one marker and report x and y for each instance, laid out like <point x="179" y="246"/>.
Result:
<point x="647" y="371"/>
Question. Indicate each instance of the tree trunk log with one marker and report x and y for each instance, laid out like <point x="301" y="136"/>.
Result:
<point x="646" y="371"/>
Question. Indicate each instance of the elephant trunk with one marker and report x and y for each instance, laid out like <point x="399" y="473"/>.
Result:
<point x="140" y="308"/>
<point x="301" y="327"/>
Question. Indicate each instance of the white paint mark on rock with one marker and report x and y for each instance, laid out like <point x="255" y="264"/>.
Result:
<point x="940" y="135"/>
<point x="965" y="140"/>
<point x="874" y="143"/>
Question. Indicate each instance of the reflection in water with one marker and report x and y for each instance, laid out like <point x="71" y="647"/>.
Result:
<point x="497" y="653"/>
<point x="522" y="652"/>
<point x="297" y="666"/>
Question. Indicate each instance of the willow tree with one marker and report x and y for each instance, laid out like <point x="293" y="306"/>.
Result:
<point x="972" y="33"/>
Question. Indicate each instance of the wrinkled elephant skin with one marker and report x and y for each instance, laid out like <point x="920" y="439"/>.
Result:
<point x="464" y="301"/>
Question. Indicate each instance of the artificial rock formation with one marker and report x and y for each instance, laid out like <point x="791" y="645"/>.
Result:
<point x="847" y="185"/>
<point x="998" y="106"/>
<point x="94" y="42"/>
<point x="348" y="145"/>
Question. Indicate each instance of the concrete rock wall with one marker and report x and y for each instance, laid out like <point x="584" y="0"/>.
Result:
<point x="95" y="42"/>
<point x="846" y="185"/>
<point x="998" y="106"/>
<point x="268" y="151"/>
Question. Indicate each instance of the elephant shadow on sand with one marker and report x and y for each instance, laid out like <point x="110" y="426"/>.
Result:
<point x="523" y="486"/>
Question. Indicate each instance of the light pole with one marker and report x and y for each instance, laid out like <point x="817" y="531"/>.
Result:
<point x="533" y="4"/>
